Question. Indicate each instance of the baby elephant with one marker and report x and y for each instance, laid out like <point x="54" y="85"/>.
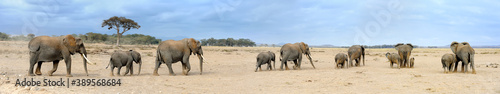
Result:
<point x="341" y="60"/>
<point x="448" y="60"/>
<point x="393" y="59"/>
<point x="265" y="58"/>
<point x="412" y="62"/>
<point x="124" y="58"/>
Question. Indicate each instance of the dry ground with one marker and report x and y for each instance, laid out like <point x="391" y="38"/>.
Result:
<point x="231" y="70"/>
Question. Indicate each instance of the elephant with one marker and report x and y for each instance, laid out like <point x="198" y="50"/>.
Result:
<point x="53" y="49"/>
<point x="171" y="51"/>
<point x="404" y="51"/>
<point x="464" y="53"/>
<point x="125" y="58"/>
<point x="355" y="53"/>
<point x="393" y="59"/>
<point x="412" y="62"/>
<point x="265" y="58"/>
<point x="448" y="60"/>
<point x="341" y="60"/>
<point x="293" y="52"/>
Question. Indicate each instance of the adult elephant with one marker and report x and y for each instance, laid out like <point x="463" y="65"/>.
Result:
<point x="171" y="51"/>
<point x="404" y="51"/>
<point x="355" y="53"/>
<point x="464" y="53"/>
<point x="53" y="49"/>
<point x="293" y="52"/>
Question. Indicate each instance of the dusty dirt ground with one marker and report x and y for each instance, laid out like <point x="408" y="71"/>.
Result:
<point x="231" y="70"/>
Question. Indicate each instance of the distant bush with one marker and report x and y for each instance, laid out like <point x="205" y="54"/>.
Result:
<point x="125" y="39"/>
<point x="3" y="36"/>
<point x="228" y="42"/>
<point x="92" y="38"/>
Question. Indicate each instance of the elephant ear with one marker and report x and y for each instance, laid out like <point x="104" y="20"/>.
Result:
<point x="468" y="45"/>
<point x="465" y="43"/>
<point x="136" y="56"/>
<point x="454" y="46"/>
<point x="192" y="44"/>
<point x="410" y="45"/>
<point x="79" y="42"/>
<point x="302" y="47"/>
<point x="70" y="43"/>
<point x="397" y="46"/>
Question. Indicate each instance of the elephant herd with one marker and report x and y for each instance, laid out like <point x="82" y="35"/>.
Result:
<point x="293" y="52"/>
<point x="54" y="49"/>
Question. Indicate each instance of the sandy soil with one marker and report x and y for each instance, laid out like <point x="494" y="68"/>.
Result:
<point x="231" y="70"/>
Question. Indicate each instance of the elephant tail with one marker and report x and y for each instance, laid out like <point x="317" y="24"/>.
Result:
<point x="363" y="54"/>
<point x="110" y="60"/>
<point x="158" y="56"/>
<point x="471" y="59"/>
<point x="281" y="54"/>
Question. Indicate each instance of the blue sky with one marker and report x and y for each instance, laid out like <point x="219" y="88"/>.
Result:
<point x="316" y="22"/>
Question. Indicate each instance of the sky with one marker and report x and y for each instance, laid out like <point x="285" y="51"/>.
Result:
<point x="315" y="22"/>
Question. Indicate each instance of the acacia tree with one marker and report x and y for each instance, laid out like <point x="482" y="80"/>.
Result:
<point x="120" y="22"/>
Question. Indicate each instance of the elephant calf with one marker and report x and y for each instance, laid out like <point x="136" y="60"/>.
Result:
<point x="341" y="60"/>
<point x="448" y="60"/>
<point x="393" y="59"/>
<point x="412" y="62"/>
<point x="125" y="58"/>
<point x="265" y="58"/>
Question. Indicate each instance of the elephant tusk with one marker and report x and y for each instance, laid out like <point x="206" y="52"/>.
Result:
<point x="88" y="61"/>
<point x="203" y="59"/>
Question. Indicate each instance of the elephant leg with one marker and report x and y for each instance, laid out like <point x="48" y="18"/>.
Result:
<point x="445" y="70"/>
<point x="119" y="69"/>
<point x="157" y="65"/>
<point x="471" y="58"/>
<point x="67" y="60"/>
<point x="407" y="63"/>
<point x="112" y="69"/>
<point x="466" y="64"/>
<point x="33" y="61"/>
<point x="283" y="62"/>
<point x="257" y="66"/>
<point x="38" y="67"/>
<point x="456" y="67"/>
<point x="357" y="62"/>
<point x="400" y="63"/>
<point x="54" y="67"/>
<point x="450" y="68"/>
<point x="349" y="64"/>
<point x="296" y="65"/>
<point x="299" y="62"/>
<point x="463" y="65"/>
<point x="269" y="67"/>
<point x="131" y="68"/>
<point x="186" y="66"/>
<point x="286" y="65"/>
<point x="170" y="71"/>
<point x="391" y="64"/>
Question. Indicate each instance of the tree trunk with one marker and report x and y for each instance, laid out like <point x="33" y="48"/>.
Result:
<point x="118" y="39"/>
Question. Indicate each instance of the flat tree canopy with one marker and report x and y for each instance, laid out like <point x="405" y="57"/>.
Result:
<point x="120" y="22"/>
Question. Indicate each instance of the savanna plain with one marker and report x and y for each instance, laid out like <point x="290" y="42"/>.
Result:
<point x="231" y="70"/>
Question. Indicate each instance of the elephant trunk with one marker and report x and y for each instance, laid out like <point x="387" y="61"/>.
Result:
<point x="201" y="62"/>
<point x="83" y="53"/>
<point x="310" y="60"/>
<point x="140" y="66"/>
